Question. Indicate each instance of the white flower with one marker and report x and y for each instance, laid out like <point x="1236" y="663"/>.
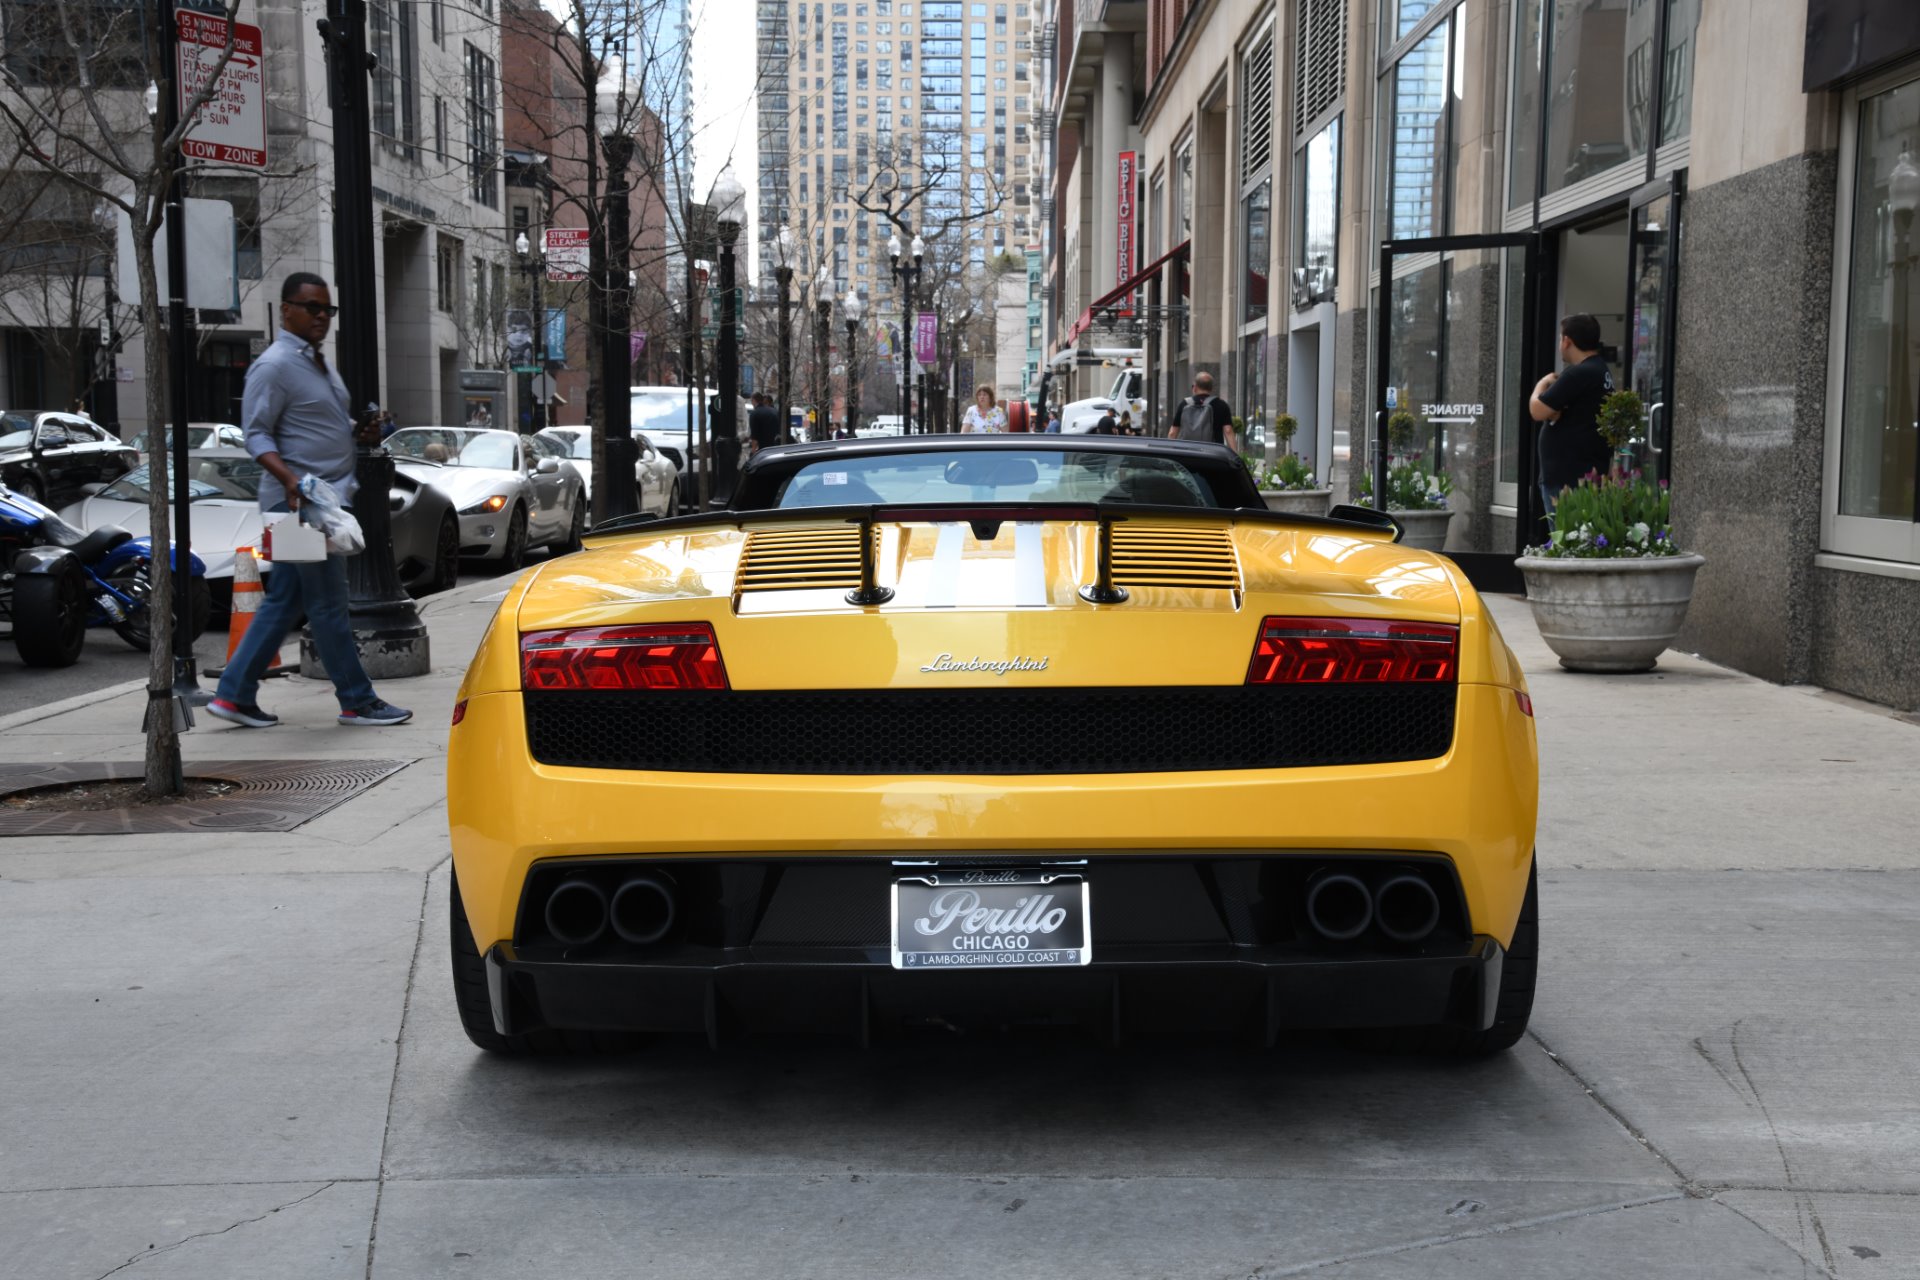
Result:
<point x="1639" y="532"/>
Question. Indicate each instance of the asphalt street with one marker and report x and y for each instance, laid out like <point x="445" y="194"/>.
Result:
<point x="232" y="1055"/>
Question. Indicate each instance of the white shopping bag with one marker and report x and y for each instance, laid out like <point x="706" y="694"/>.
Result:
<point x="287" y="541"/>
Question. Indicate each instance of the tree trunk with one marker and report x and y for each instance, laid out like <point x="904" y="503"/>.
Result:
<point x="163" y="765"/>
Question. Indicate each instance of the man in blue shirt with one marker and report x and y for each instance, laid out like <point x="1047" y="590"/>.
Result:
<point x="295" y="414"/>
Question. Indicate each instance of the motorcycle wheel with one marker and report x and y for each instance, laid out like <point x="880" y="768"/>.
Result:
<point x="130" y="579"/>
<point x="49" y="619"/>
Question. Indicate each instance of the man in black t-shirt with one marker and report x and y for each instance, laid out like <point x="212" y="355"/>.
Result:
<point x="763" y="422"/>
<point x="1567" y="407"/>
<point x="1203" y="416"/>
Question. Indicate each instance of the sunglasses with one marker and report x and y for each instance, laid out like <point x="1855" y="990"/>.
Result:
<point x="315" y="309"/>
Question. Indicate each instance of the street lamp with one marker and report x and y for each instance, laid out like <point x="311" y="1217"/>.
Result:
<point x="783" y="274"/>
<point x="854" y="309"/>
<point x="823" y="382"/>
<point x="614" y="493"/>
<point x="729" y="201"/>
<point x="908" y="273"/>
<point x="535" y="267"/>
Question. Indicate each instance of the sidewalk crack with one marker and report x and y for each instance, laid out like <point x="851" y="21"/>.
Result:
<point x="399" y="1044"/>
<point x="151" y="1252"/>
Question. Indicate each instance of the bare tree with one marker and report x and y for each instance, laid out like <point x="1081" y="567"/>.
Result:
<point x="71" y="84"/>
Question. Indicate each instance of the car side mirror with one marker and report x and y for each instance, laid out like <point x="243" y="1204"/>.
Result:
<point x="547" y="467"/>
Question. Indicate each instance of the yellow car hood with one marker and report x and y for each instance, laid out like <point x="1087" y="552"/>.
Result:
<point x="1005" y="608"/>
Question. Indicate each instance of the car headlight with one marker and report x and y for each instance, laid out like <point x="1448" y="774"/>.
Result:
<point x="492" y="504"/>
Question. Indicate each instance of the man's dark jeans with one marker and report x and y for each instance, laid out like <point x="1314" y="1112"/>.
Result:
<point x="320" y="588"/>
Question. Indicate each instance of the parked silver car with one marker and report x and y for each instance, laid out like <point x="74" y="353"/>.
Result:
<point x="655" y="476"/>
<point x="508" y="496"/>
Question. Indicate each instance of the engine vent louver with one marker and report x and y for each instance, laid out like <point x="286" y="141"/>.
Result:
<point x="823" y="558"/>
<point x="1172" y="556"/>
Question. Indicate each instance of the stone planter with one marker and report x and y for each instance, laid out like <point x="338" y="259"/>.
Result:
<point x="1609" y="615"/>
<point x="1298" y="502"/>
<point x="1423" y="530"/>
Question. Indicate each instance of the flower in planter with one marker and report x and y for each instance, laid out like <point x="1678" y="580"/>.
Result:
<point x="1610" y="517"/>
<point x="1289" y="473"/>
<point x="1411" y="486"/>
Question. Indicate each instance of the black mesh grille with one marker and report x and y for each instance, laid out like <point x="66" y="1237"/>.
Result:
<point x="992" y="730"/>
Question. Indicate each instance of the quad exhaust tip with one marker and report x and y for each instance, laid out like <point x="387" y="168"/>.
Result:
<point x="577" y="912"/>
<point x="644" y="909"/>
<point x="1407" y="908"/>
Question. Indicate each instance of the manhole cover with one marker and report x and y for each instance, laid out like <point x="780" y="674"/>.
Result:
<point x="267" y="795"/>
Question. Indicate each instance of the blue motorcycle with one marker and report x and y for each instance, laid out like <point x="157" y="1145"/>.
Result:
<point x="56" y="581"/>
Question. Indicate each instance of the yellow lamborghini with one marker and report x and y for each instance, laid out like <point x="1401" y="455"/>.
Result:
<point x="993" y="730"/>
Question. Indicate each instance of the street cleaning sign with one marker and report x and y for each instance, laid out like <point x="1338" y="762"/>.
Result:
<point x="232" y="128"/>
<point x="566" y="250"/>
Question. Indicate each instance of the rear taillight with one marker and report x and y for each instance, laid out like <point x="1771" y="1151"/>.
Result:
<point x="1354" y="651"/>
<point x="678" y="655"/>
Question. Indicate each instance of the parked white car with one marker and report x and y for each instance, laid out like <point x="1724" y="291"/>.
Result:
<point x="508" y="496"/>
<point x="657" y="479"/>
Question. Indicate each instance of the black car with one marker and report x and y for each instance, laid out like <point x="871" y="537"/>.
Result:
<point x="51" y="457"/>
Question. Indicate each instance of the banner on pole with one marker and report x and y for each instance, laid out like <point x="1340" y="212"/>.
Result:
<point x="926" y="339"/>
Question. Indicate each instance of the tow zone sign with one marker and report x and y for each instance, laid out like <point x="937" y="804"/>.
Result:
<point x="232" y="128"/>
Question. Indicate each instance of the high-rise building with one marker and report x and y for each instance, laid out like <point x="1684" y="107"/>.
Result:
<point x="877" y="116"/>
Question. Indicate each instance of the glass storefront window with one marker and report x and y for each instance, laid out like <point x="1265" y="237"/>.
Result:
<point x="1523" y="162"/>
<point x="1417" y="116"/>
<point x="1676" y="105"/>
<point x="1257" y="249"/>
<point x="1599" y="82"/>
<point x="1418" y="339"/>
<point x="1881" y="394"/>
<point x="1319" y="215"/>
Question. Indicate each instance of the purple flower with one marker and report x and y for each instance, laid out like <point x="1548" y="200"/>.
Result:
<point x="1600" y="540"/>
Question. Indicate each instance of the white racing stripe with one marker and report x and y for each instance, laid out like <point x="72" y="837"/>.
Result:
<point x="943" y="586"/>
<point x="1029" y="565"/>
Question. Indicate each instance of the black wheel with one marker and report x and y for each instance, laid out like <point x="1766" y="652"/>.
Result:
<point x="673" y="502"/>
<point x="476" y="1011"/>
<point x="515" y="554"/>
<point x="575" y="532"/>
<point x="1517" y="975"/>
<point x="131" y="578"/>
<point x="446" y="555"/>
<point x="30" y="487"/>
<point x="49" y="619"/>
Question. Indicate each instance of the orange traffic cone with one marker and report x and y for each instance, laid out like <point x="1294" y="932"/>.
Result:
<point x="246" y="600"/>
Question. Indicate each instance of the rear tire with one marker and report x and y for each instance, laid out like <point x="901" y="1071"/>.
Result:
<point x="576" y="531"/>
<point x="133" y="578"/>
<point x="49" y="619"/>
<point x="30" y="487"/>
<point x="1518" y="972"/>
<point x="476" y="1009"/>
<point x="446" y="555"/>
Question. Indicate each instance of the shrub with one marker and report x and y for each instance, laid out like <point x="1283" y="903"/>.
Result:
<point x="1605" y="518"/>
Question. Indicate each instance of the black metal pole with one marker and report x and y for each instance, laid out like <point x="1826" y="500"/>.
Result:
<point x="905" y="275"/>
<point x="614" y="494"/>
<point x="784" y="277"/>
<point x="823" y="382"/>
<point x="726" y="431"/>
<point x="387" y="630"/>
<point x="853" y="379"/>
<point x="179" y="371"/>
<point x="537" y="267"/>
<point x="689" y="484"/>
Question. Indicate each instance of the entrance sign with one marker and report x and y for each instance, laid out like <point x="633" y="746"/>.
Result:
<point x="1453" y="412"/>
<point x="565" y="249"/>
<point x="231" y="128"/>
<point x="1128" y="216"/>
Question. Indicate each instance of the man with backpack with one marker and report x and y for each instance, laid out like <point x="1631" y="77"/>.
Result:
<point x="1203" y="416"/>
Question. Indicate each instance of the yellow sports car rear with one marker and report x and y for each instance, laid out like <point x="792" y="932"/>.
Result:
<point x="993" y="731"/>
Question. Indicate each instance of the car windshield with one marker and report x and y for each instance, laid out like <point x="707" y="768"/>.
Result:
<point x="574" y="444"/>
<point x="233" y="478"/>
<point x="995" y="476"/>
<point x="455" y="447"/>
<point x="16" y="431"/>
<point x="660" y="415"/>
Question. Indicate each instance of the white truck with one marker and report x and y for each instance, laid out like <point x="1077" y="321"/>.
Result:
<point x="1128" y="394"/>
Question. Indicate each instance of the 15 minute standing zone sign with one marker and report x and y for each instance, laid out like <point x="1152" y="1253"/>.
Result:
<point x="232" y="128"/>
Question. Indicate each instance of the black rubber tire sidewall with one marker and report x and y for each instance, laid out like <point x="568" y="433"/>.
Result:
<point x="49" y="619"/>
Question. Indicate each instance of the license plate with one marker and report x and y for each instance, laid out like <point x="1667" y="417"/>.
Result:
<point x="991" y="919"/>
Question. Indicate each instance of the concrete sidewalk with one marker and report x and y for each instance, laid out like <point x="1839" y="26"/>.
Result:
<point x="235" y="1054"/>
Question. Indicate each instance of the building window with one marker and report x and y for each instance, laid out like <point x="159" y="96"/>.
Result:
<point x="483" y="147"/>
<point x="446" y="279"/>
<point x="1872" y="481"/>
<point x="1316" y="250"/>
<point x="393" y="91"/>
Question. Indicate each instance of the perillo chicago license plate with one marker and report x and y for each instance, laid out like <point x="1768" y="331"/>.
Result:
<point x="991" y="918"/>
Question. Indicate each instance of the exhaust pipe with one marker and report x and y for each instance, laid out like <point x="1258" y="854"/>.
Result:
<point x="643" y="909"/>
<point x="1339" y="907"/>
<point x="577" y="912"/>
<point x="1408" y="908"/>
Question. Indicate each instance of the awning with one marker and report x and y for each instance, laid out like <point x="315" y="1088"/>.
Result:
<point x="1121" y="291"/>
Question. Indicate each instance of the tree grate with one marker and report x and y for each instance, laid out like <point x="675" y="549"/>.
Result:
<point x="267" y="795"/>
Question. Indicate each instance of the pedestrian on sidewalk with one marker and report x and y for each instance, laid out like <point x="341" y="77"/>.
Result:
<point x="763" y="423"/>
<point x="983" y="414"/>
<point x="1203" y="416"/>
<point x="1567" y="407"/>
<point x="295" y="415"/>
